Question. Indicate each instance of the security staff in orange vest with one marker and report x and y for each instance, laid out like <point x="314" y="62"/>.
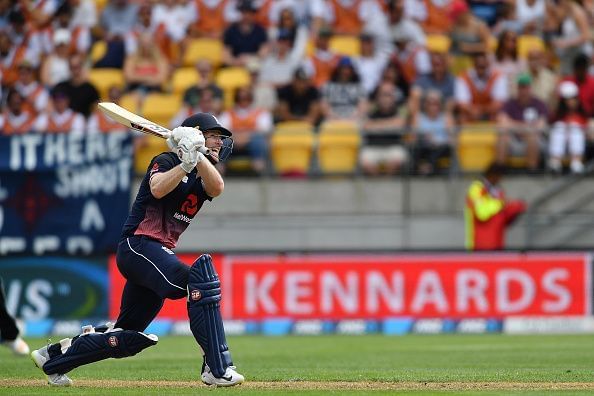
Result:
<point x="487" y="213"/>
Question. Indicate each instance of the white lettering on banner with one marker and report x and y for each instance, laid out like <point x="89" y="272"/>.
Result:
<point x="471" y="286"/>
<point x="503" y="281"/>
<point x="13" y="292"/>
<point x="115" y="147"/>
<point x="332" y="288"/>
<point x="550" y="285"/>
<point x="55" y="149"/>
<point x="298" y="287"/>
<point x="258" y="293"/>
<point x="1" y="217"/>
<point x="12" y="245"/>
<point x="379" y="289"/>
<point x="30" y="143"/>
<point x="75" y="149"/>
<point x="36" y="294"/>
<point x="429" y="291"/>
<point x="15" y="153"/>
<point x="92" y="217"/>
<point x="95" y="149"/>
<point x="93" y="179"/>
<point x="79" y="244"/>
<point x="45" y="243"/>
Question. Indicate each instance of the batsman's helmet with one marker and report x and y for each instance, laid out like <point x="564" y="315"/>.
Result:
<point x="208" y="122"/>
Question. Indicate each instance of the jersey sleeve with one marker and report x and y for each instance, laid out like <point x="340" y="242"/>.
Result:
<point x="161" y="163"/>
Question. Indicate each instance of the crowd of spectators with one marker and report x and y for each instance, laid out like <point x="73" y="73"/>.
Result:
<point x="421" y="71"/>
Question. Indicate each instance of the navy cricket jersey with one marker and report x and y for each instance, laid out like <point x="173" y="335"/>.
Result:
<point x="166" y="218"/>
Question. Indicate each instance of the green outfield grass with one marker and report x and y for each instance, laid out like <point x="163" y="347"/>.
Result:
<point x="432" y="364"/>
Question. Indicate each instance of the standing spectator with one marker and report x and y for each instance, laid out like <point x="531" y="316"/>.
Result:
<point x="298" y="101"/>
<point x="16" y="119"/>
<point x="568" y="131"/>
<point x="433" y="133"/>
<point x="250" y="126"/>
<point x="244" y="39"/>
<point x="480" y="91"/>
<point x="61" y="119"/>
<point x="278" y="67"/>
<point x="207" y="101"/>
<point x="117" y="19"/>
<point x="488" y="213"/>
<point x="440" y="78"/>
<point x="544" y="81"/>
<point x="99" y="122"/>
<point x="82" y="94"/>
<point x="146" y="70"/>
<point x="383" y="130"/>
<point x="521" y="124"/>
<point x="584" y="81"/>
<point x="35" y="95"/>
<point x="55" y="68"/>
<point x="323" y="60"/>
<point x="574" y="36"/>
<point x="343" y="96"/>
<point x="205" y="80"/>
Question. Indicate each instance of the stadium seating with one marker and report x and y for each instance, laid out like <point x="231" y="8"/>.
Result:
<point x="160" y="108"/>
<point x="182" y="79"/>
<point x="338" y="147"/>
<point x="130" y="102"/>
<point x="345" y="45"/>
<point x="229" y="79"/>
<point x="98" y="51"/>
<point x="150" y="146"/>
<point x="291" y="148"/>
<point x="203" y="48"/>
<point x="438" y="43"/>
<point x="105" y="78"/>
<point x="527" y="43"/>
<point x="476" y="146"/>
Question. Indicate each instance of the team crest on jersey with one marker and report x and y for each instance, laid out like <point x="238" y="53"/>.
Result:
<point x="195" y="295"/>
<point x="155" y="168"/>
<point x="113" y="341"/>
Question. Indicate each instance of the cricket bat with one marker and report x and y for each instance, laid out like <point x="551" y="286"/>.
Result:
<point x="137" y="123"/>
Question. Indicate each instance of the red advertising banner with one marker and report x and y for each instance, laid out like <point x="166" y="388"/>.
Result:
<point x="381" y="286"/>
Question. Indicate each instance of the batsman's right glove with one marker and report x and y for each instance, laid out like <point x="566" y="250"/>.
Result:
<point x="188" y="154"/>
<point x="193" y="134"/>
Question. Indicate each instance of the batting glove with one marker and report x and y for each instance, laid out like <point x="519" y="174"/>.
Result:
<point x="194" y="134"/>
<point x="188" y="154"/>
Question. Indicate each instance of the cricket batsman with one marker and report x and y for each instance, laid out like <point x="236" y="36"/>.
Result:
<point x="172" y="192"/>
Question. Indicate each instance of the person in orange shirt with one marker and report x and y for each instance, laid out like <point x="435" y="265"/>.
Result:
<point x="488" y="213"/>
<point x="16" y="119"/>
<point x="61" y="119"/>
<point x="99" y="122"/>
<point x="250" y="126"/>
<point x="323" y="60"/>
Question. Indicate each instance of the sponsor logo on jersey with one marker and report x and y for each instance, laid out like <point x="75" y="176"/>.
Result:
<point x="113" y="341"/>
<point x="182" y="217"/>
<point x="195" y="295"/>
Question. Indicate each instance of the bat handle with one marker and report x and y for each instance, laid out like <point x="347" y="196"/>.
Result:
<point x="204" y="150"/>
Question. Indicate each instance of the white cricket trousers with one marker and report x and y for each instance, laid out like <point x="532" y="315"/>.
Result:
<point x="564" y="137"/>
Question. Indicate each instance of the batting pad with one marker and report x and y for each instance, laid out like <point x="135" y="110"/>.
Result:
<point x="93" y="347"/>
<point x="206" y="323"/>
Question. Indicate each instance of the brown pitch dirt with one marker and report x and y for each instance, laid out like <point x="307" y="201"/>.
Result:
<point x="314" y="385"/>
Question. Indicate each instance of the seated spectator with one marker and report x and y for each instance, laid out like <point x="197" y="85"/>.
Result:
<point x="244" y="39"/>
<point x="61" y="119"/>
<point x="82" y="94"/>
<point x="177" y="16"/>
<point x="146" y="26"/>
<point x="207" y="102"/>
<point x="212" y="16"/>
<point x="521" y="124"/>
<point x="480" y="91"/>
<point x="35" y="95"/>
<point x="568" y="130"/>
<point x="370" y="63"/>
<point x="507" y="21"/>
<point x="506" y="56"/>
<point x="84" y="13"/>
<point x="383" y="129"/>
<point x="469" y="34"/>
<point x="80" y="41"/>
<point x="440" y="78"/>
<point x="404" y="25"/>
<point x="99" y="122"/>
<point x="16" y="119"/>
<point x="544" y="81"/>
<point x="55" y="68"/>
<point x="206" y="79"/>
<point x="531" y="15"/>
<point x="116" y="20"/>
<point x="278" y="67"/>
<point x="584" y="82"/>
<point x="298" y="101"/>
<point x="146" y="70"/>
<point x="347" y="16"/>
<point x="412" y="58"/>
<point x="323" y="60"/>
<point x="250" y="126"/>
<point x="573" y="34"/>
<point x="343" y="96"/>
<point x="437" y="19"/>
<point x="393" y="75"/>
<point x="433" y="133"/>
<point x="27" y="40"/>
<point x="274" y="12"/>
<point x="286" y="21"/>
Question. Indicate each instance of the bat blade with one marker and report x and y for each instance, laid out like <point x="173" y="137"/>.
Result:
<point x="133" y="121"/>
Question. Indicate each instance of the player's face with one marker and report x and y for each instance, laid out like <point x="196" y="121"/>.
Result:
<point x="214" y="141"/>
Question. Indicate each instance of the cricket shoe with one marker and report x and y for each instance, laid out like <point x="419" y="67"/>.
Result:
<point x="230" y="378"/>
<point x="18" y="346"/>
<point x="40" y="356"/>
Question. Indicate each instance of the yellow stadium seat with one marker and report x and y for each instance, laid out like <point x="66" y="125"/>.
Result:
<point x="105" y="78"/>
<point x="150" y="147"/>
<point x="203" y="48"/>
<point x="460" y="63"/>
<point x="345" y="45"/>
<point x="100" y="5"/>
<point x="476" y="146"/>
<point x="130" y="102"/>
<point x="291" y="152"/>
<point x="292" y="127"/>
<point x="438" y="43"/>
<point x="338" y="147"/>
<point x="183" y="78"/>
<point x="229" y="79"/>
<point x="527" y="43"/>
<point x="160" y="108"/>
<point x="98" y="51"/>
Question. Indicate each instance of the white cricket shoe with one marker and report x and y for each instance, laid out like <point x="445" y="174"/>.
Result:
<point x="40" y="356"/>
<point x="230" y="378"/>
<point x="18" y="346"/>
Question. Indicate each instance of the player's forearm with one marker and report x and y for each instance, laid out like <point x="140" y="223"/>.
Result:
<point x="212" y="179"/>
<point x="163" y="183"/>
